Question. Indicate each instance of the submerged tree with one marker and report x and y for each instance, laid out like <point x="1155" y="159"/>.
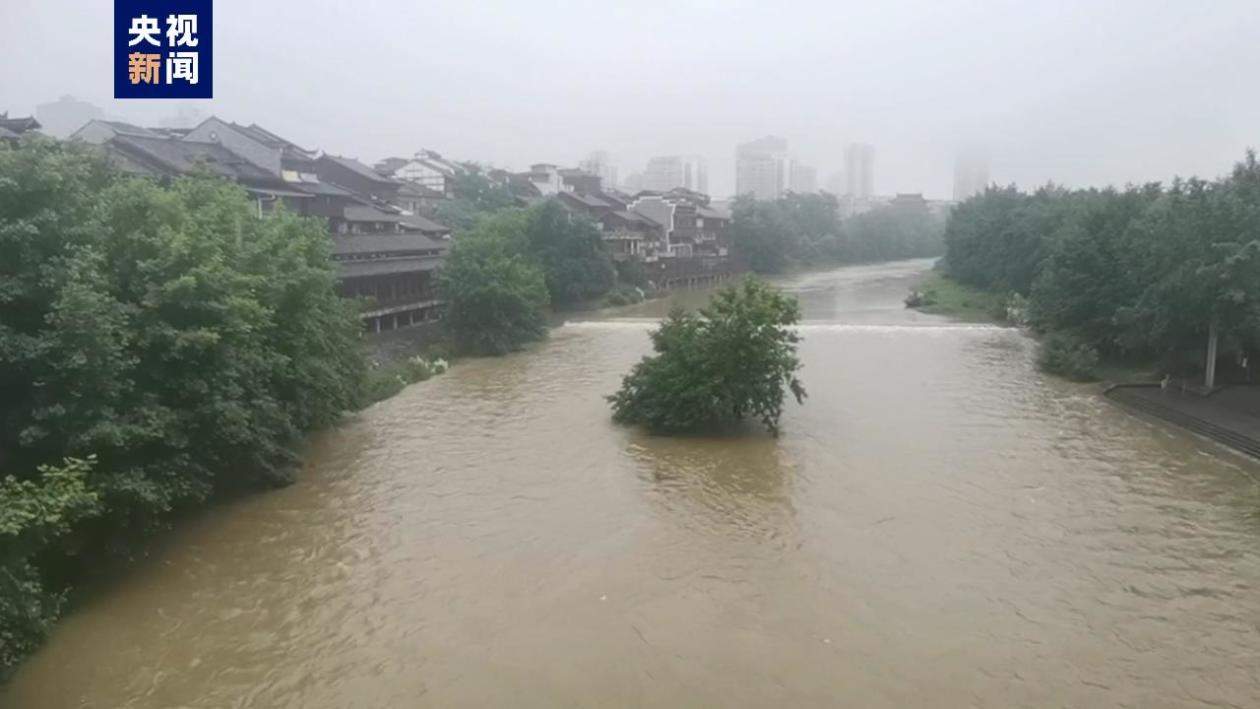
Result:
<point x="732" y="360"/>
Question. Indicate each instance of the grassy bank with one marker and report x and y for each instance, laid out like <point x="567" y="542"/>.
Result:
<point x="387" y="379"/>
<point x="941" y="295"/>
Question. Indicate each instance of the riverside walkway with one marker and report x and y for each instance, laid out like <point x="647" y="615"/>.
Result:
<point x="1230" y="415"/>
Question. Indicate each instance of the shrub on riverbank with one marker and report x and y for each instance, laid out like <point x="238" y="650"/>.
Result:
<point x="169" y="331"/>
<point x="35" y="514"/>
<point x="1067" y="356"/>
<point x="733" y="359"/>
<point x="623" y="295"/>
<point x="386" y="380"/>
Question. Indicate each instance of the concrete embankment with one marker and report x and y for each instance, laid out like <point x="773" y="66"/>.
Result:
<point x="1230" y="416"/>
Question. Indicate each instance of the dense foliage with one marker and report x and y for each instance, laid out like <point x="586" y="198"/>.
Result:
<point x="732" y="360"/>
<point x="1135" y="273"/>
<point x="504" y="271"/>
<point x="169" y="332"/>
<point x="1068" y="356"/>
<point x="571" y="251"/>
<point x="496" y="296"/>
<point x="35" y="514"/>
<point x="806" y="229"/>
<point x="472" y="195"/>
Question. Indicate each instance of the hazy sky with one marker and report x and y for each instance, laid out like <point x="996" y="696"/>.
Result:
<point x="1075" y="92"/>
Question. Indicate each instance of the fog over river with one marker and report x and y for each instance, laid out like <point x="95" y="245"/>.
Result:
<point x="939" y="525"/>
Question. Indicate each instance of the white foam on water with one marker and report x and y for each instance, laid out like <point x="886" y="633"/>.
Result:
<point x="926" y="328"/>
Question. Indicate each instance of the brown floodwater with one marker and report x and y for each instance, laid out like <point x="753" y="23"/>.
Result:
<point x="940" y="525"/>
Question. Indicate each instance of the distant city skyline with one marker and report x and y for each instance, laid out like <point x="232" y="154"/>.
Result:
<point x="770" y="169"/>
<point x="920" y="82"/>
<point x="67" y="113"/>
<point x="770" y="165"/>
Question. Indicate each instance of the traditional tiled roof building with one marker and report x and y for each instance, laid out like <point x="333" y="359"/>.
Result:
<point x="384" y="249"/>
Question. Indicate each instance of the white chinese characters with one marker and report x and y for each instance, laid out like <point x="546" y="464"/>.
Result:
<point x="179" y="66"/>
<point x="143" y="29"/>
<point x="181" y="30"/>
<point x="182" y="66"/>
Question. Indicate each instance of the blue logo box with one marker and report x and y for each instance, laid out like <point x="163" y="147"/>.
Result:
<point x="163" y="49"/>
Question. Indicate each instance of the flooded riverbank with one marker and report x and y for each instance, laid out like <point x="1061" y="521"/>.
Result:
<point x="939" y="525"/>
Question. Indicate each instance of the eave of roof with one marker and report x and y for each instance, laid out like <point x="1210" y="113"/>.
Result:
<point x="385" y="267"/>
<point x="385" y="243"/>
<point x="359" y="169"/>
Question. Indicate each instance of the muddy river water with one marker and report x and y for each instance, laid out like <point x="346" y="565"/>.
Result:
<point x="940" y="526"/>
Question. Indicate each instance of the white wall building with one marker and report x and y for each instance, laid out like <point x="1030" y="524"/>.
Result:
<point x="666" y="172"/>
<point x="762" y="168"/>
<point x="859" y="170"/>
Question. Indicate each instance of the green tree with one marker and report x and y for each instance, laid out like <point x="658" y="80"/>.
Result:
<point x="473" y="195"/>
<point x="763" y="235"/>
<point x="35" y="515"/>
<point x="168" y="331"/>
<point x="1145" y="272"/>
<point x="1086" y="275"/>
<point x="806" y="229"/>
<point x="496" y="297"/>
<point x="571" y="252"/>
<point x="888" y="233"/>
<point x="732" y="360"/>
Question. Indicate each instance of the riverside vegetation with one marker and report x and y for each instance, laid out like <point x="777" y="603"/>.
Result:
<point x="1116" y="277"/>
<point x="158" y="345"/>
<point x="807" y="230"/>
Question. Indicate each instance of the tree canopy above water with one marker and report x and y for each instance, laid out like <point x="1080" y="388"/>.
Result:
<point x="734" y="359"/>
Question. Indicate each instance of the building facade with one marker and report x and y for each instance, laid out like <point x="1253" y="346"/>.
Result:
<point x="859" y="171"/>
<point x="601" y="164"/>
<point x="971" y="175"/>
<point x="384" y="250"/>
<point x="11" y="129"/>
<point x="667" y="172"/>
<point x="803" y="179"/>
<point x="762" y="168"/>
<point x="427" y="169"/>
<point x="62" y="117"/>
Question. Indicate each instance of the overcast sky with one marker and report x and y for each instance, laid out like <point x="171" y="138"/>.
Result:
<point x="1080" y="93"/>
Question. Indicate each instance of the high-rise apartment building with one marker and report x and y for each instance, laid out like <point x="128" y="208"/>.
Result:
<point x="600" y="164"/>
<point x="666" y="172"/>
<point x="65" y="115"/>
<point x="859" y="170"/>
<point x="803" y="179"/>
<point x="762" y="168"/>
<point x="971" y="174"/>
